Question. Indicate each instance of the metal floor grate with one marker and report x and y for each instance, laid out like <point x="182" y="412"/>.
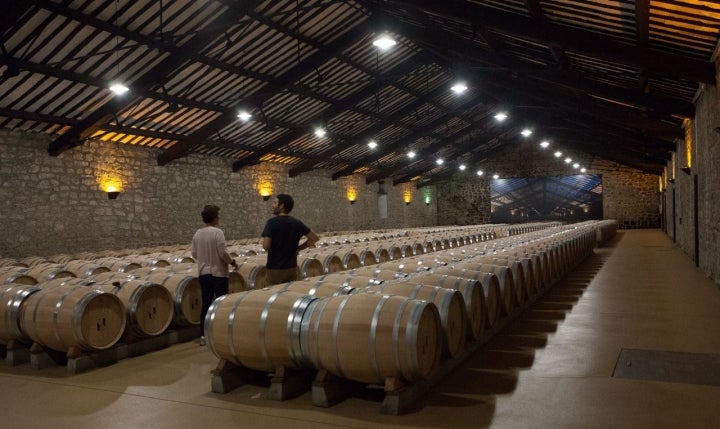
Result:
<point x="673" y="367"/>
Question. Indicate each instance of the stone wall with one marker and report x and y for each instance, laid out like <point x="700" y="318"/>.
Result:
<point x="54" y="204"/>
<point x="630" y="197"/>
<point x="464" y="200"/>
<point x="704" y="165"/>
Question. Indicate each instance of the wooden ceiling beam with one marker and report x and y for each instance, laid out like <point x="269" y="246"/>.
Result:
<point x="288" y="78"/>
<point x="568" y="79"/>
<point x="148" y="81"/>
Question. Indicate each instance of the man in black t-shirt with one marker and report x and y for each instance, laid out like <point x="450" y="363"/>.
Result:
<point x="281" y="238"/>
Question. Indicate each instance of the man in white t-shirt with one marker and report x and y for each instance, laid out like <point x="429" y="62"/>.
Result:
<point x="210" y="252"/>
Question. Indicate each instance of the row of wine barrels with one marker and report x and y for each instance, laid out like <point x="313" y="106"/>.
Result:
<point x="510" y="294"/>
<point x="302" y="331"/>
<point x="84" y="269"/>
<point x="46" y="271"/>
<point x="472" y="293"/>
<point x="118" y="264"/>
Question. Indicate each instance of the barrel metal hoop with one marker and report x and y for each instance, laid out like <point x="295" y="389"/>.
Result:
<point x="373" y="335"/>
<point x="335" y="329"/>
<point x="263" y="322"/>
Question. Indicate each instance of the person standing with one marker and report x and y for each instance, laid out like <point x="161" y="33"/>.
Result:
<point x="281" y="238"/>
<point x="210" y="252"/>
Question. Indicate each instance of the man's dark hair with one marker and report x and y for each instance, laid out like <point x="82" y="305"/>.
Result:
<point x="287" y="202"/>
<point x="210" y="213"/>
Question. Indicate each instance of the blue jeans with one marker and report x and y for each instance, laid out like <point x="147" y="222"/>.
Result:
<point x="211" y="287"/>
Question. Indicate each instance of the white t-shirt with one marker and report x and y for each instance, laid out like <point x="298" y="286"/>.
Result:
<point x="210" y="251"/>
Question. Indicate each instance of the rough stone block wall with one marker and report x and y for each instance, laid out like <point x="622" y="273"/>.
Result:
<point x="53" y="205"/>
<point x="464" y="201"/>
<point x="705" y="162"/>
<point x="632" y="198"/>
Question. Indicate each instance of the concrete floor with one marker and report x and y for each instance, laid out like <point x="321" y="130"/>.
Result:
<point x="551" y="368"/>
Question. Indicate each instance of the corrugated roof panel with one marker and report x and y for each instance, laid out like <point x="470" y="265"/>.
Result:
<point x="294" y="108"/>
<point x="351" y="123"/>
<point x="515" y="6"/>
<point x="334" y="79"/>
<point x="614" y="19"/>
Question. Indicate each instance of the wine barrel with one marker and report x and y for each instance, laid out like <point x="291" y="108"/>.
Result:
<point x="309" y="266"/>
<point x="399" y="337"/>
<point x="73" y="316"/>
<point x="314" y="287"/>
<point x="42" y="272"/>
<point x="15" y="275"/>
<point x="186" y="293"/>
<point x="118" y="264"/>
<point x="331" y="263"/>
<point x="257" y="329"/>
<point x="85" y="269"/>
<point x="473" y="296"/>
<point x="253" y="273"/>
<point x="149" y="305"/>
<point x="349" y="279"/>
<point x="450" y="305"/>
<point x="12" y="303"/>
<point x="506" y="280"/>
<point x="490" y="286"/>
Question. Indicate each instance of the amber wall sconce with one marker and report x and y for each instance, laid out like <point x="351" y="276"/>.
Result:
<point x="113" y="185"/>
<point x="351" y="195"/>
<point x="265" y="189"/>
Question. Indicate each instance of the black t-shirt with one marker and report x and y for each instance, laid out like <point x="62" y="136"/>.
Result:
<point x="285" y="233"/>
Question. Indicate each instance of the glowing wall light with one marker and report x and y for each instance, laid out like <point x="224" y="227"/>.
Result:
<point x="352" y="195"/>
<point x="265" y="189"/>
<point x="111" y="184"/>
